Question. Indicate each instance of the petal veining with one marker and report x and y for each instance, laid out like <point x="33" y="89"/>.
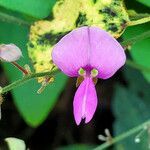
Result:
<point x="71" y="52"/>
<point x="106" y="55"/>
<point x="85" y="101"/>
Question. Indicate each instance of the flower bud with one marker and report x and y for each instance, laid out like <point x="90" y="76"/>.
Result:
<point x="10" y="52"/>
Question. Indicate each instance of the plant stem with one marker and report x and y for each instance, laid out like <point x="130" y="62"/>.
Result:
<point x="136" y="38"/>
<point x="25" y="79"/>
<point x="139" y="21"/>
<point x="20" y="68"/>
<point x="123" y="136"/>
<point x="8" y="18"/>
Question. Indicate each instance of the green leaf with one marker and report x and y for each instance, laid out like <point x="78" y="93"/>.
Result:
<point x="33" y="107"/>
<point x="145" y="2"/>
<point x="34" y="8"/>
<point x="140" y="51"/>
<point x="130" y="111"/>
<point x="15" y="144"/>
<point x="137" y="83"/>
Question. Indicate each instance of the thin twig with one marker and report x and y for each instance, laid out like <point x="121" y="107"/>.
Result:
<point x="123" y="136"/>
<point x="25" y="79"/>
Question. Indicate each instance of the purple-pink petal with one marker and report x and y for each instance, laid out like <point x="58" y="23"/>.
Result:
<point x="106" y="54"/>
<point x="89" y="47"/>
<point x="85" y="101"/>
<point x="70" y="53"/>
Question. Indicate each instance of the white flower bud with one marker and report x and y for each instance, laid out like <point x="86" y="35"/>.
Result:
<point x="10" y="52"/>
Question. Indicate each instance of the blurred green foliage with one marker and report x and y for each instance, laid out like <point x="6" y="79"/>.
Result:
<point x="30" y="7"/>
<point x="140" y="51"/>
<point x="33" y="107"/>
<point x="131" y="107"/>
<point x="145" y="2"/>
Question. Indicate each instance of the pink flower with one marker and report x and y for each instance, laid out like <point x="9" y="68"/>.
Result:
<point x="92" y="53"/>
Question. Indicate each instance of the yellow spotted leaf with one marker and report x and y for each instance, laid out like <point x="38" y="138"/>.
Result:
<point x="110" y="15"/>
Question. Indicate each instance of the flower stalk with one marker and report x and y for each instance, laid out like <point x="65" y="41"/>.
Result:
<point x="20" y="68"/>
